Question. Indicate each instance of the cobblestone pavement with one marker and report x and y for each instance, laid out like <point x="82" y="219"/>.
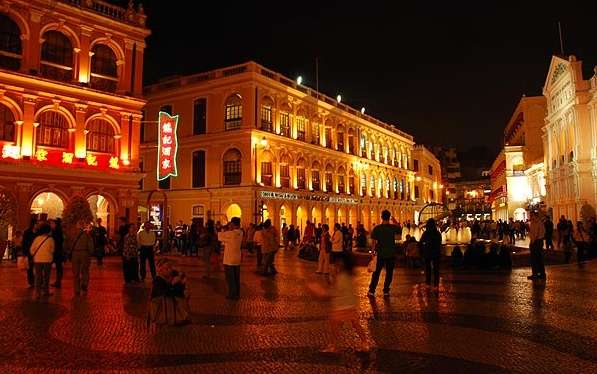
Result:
<point x="478" y="322"/>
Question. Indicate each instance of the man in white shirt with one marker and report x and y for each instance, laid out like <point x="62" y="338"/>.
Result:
<point x="146" y="240"/>
<point x="232" y="240"/>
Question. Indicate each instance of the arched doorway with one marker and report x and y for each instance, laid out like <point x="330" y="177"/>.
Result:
<point x="284" y="215"/>
<point x="100" y="208"/>
<point x="316" y="215"/>
<point x="266" y="212"/>
<point x="47" y="203"/>
<point x="340" y="216"/>
<point x="301" y="218"/>
<point x="233" y="210"/>
<point x="520" y="214"/>
<point x="328" y="218"/>
<point x="352" y="217"/>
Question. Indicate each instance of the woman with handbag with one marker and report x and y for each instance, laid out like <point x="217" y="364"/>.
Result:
<point x="42" y="252"/>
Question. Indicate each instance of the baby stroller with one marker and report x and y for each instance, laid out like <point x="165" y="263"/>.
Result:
<point x="308" y="251"/>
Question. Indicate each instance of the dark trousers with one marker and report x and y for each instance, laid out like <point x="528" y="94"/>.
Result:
<point x="537" y="265"/>
<point x="146" y="254"/>
<point x="130" y="269"/>
<point x="435" y="263"/>
<point x="100" y="252"/>
<point x="268" y="266"/>
<point x="548" y="242"/>
<point x="233" y="280"/>
<point x="259" y="256"/>
<point x="59" y="270"/>
<point x="42" y="277"/>
<point x="389" y="264"/>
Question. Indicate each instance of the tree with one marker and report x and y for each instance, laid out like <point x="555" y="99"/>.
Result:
<point x="76" y="210"/>
<point x="7" y="212"/>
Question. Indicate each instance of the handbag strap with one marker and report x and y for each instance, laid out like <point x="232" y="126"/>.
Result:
<point x="72" y="249"/>
<point x="39" y="247"/>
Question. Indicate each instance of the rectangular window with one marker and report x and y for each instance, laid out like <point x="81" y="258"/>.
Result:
<point x="431" y="195"/>
<point x="199" y="116"/>
<point x="300" y="128"/>
<point x="341" y="141"/>
<point x="266" y="118"/>
<point x="164" y="184"/>
<point x="341" y="183"/>
<point x="198" y="210"/>
<point x="416" y="192"/>
<point x="363" y="184"/>
<point x="430" y="169"/>
<point x="300" y="178"/>
<point x="351" y="144"/>
<point x="351" y="185"/>
<point x="232" y="172"/>
<point x="371" y="151"/>
<point x="315" y="135"/>
<point x="198" y="169"/>
<point x="363" y="145"/>
<point x="285" y="124"/>
<point x="267" y="176"/>
<point x="233" y="116"/>
<point x="329" y="184"/>
<point x="285" y="176"/>
<point x="315" y="180"/>
<point x="416" y="165"/>
<point x="328" y="137"/>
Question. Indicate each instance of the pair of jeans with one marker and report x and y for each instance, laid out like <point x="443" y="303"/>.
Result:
<point x="81" y="261"/>
<point x="389" y="264"/>
<point x="537" y="265"/>
<point x="232" y="273"/>
<point x="435" y="263"/>
<point x="146" y="255"/>
<point x="42" y="277"/>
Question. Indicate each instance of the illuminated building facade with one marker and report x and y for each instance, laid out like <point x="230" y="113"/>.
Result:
<point x="70" y="106"/>
<point x="255" y="144"/>
<point x="517" y="174"/>
<point x="570" y="140"/>
<point x="428" y="178"/>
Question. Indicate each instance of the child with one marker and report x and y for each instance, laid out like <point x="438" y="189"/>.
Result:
<point x="344" y="303"/>
<point x="169" y="296"/>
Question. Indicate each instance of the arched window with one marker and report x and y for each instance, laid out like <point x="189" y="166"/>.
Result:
<point x="329" y="143"/>
<point x="351" y="141"/>
<point x="300" y="125"/>
<point x="300" y="174"/>
<point x="388" y="192"/>
<point x="372" y="149"/>
<point x="52" y="130"/>
<point x="363" y="145"/>
<point x="340" y="137"/>
<point x="351" y="189"/>
<point x="315" y="181"/>
<point x="285" y="171"/>
<point x="329" y="178"/>
<point x="363" y="184"/>
<point x="372" y="182"/>
<point x="267" y="172"/>
<point x="104" y="74"/>
<point x="10" y="44"/>
<point x="396" y="157"/>
<point x="232" y="167"/>
<point x="402" y="195"/>
<point x="267" y="117"/>
<point x="100" y="137"/>
<point x="315" y="134"/>
<point x="233" y="112"/>
<point x="395" y="188"/>
<point x="57" y="56"/>
<point x="7" y="124"/>
<point x="341" y="180"/>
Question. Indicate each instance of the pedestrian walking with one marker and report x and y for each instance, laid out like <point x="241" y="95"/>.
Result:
<point x="548" y="234"/>
<point x="59" y="258"/>
<point x="232" y="240"/>
<point x="210" y="246"/>
<point x="384" y="236"/>
<point x="258" y="243"/>
<point x="431" y="242"/>
<point x="28" y="236"/>
<point x="146" y="239"/>
<point x="285" y="240"/>
<point x="100" y="235"/>
<point x="82" y="248"/>
<point x="42" y="252"/>
<point x="270" y="246"/>
<point x="325" y="249"/>
<point x="536" y="236"/>
<point x="130" y="256"/>
<point x="337" y="245"/>
<point x="123" y="230"/>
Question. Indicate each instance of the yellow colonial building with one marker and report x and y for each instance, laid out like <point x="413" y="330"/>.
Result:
<point x="428" y="178"/>
<point x="255" y="144"/>
<point x="570" y="139"/>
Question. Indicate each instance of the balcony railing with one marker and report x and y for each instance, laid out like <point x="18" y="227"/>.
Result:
<point x="56" y="72"/>
<point x="128" y="15"/>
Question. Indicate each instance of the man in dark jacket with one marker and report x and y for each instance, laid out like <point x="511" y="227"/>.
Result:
<point x="384" y="236"/>
<point x="28" y="235"/>
<point x="431" y="242"/>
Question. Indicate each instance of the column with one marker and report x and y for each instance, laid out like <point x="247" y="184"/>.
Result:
<point x="135" y="135"/>
<point x="80" y="138"/>
<point x="82" y="71"/>
<point x="138" y="89"/>
<point x="27" y="126"/>
<point x="33" y="52"/>
<point x="125" y="137"/>
<point x="126" y="69"/>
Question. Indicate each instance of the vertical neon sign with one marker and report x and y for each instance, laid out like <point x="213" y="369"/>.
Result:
<point x="167" y="145"/>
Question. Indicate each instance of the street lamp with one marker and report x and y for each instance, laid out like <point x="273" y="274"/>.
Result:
<point x="299" y="80"/>
<point x="339" y="98"/>
<point x="363" y="110"/>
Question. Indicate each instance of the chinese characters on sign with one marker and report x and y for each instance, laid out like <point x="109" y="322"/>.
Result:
<point x="167" y="145"/>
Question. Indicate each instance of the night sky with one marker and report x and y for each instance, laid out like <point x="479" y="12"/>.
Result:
<point x="447" y="74"/>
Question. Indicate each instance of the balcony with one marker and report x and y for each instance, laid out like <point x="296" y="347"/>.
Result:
<point x="56" y="72"/>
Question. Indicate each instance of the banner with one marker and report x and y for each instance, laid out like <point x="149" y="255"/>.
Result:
<point x="167" y="145"/>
